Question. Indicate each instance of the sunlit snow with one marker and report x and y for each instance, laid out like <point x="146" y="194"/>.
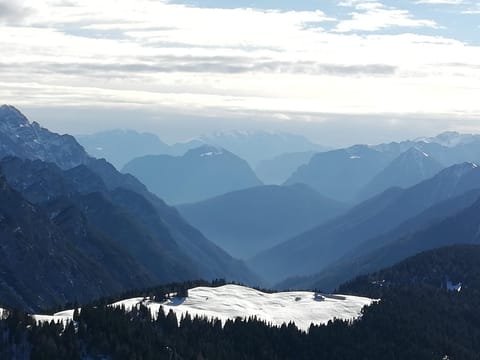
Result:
<point x="232" y="301"/>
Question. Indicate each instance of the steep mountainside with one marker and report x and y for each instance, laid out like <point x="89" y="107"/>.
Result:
<point x="340" y="174"/>
<point x="409" y="168"/>
<point x="201" y="173"/>
<point x="19" y="137"/>
<point x="358" y="260"/>
<point x="452" y="268"/>
<point x="248" y="221"/>
<point x="99" y="192"/>
<point x="45" y="263"/>
<point x="317" y="248"/>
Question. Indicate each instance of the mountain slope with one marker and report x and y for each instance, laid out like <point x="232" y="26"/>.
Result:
<point x="247" y="221"/>
<point x="317" y="248"/>
<point x="408" y="169"/>
<point x="118" y="189"/>
<point x="340" y="174"/>
<point x="356" y="261"/>
<point x="43" y="264"/>
<point x="120" y="146"/>
<point x="461" y="228"/>
<point x="453" y="268"/>
<point x="19" y="137"/>
<point x="201" y="173"/>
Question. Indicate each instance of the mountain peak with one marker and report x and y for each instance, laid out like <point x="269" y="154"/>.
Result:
<point x="205" y="151"/>
<point x="450" y="139"/>
<point x="415" y="153"/>
<point x="20" y="138"/>
<point x="11" y="116"/>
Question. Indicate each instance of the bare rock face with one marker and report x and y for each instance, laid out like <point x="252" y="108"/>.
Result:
<point x="20" y="138"/>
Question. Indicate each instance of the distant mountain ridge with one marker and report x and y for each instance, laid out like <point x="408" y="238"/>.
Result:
<point x="319" y="247"/>
<point x="121" y="146"/>
<point x="358" y="172"/>
<point x="408" y="169"/>
<point x="201" y="173"/>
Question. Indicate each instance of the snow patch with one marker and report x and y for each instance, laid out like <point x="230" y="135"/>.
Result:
<point x="353" y="157"/>
<point x="211" y="153"/>
<point x="63" y="317"/>
<point x="232" y="301"/>
<point x="99" y="148"/>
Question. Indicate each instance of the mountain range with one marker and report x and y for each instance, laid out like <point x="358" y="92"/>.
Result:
<point x="314" y="250"/>
<point x="86" y="211"/>
<point x="356" y="173"/>
<point x="200" y="174"/>
<point x="121" y="146"/>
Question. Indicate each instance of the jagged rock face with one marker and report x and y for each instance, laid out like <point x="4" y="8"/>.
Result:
<point x="20" y="138"/>
<point x="120" y="235"/>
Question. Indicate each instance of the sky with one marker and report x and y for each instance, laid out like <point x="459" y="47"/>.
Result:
<point x="337" y="71"/>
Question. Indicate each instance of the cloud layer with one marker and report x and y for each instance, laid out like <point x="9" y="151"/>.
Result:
<point x="366" y="57"/>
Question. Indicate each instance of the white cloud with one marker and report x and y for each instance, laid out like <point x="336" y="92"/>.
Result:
<point x="227" y="61"/>
<point x="441" y="2"/>
<point x="373" y="16"/>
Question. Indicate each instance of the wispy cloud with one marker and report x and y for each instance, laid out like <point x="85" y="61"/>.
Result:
<point x="203" y="61"/>
<point x="374" y="16"/>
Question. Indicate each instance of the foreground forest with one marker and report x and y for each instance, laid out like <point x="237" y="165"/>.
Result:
<point x="418" y="317"/>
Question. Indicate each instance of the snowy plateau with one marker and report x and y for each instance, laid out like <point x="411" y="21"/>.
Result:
<point x="233" y="301"/>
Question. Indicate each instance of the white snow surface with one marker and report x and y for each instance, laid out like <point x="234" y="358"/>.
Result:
<point x="232" y="301"/>
<point x="64" y="317"/>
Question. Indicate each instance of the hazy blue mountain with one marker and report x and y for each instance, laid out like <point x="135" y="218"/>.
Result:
<point x="255" y="146"/>
<point x="201" y="173"/>
<point x="408" y="169"/>
<point x="319" y="247"/>
<point x="120" y="146"/>
<point x="451" y="139"/>
<point x="248" y="221"/>
<point x="340" y="174"/>
<point x="277" y="170"/>
<point x="460" y="228"/>
<point x="119" y="190"/>
<point x="448" y="148"/>
<point x="356" y="261"/>
<point x="335" y="173"/>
